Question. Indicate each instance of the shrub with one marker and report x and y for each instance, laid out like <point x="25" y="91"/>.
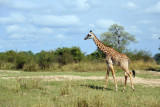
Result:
<point x="44" y="59"/>
<point x="7" y="65"/>
<point x="31" y="66"/>
<point x="139" y="55"/>
<point x="157" y="58"/>
<point x="63" y="56"/>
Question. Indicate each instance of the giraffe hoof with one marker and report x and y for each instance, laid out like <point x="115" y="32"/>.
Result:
<point x="103" y="89"/>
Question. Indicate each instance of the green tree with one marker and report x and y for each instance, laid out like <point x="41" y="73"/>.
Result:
<point x="117" y="37"/>
<point x="159" y="39"/>
<point x="44" y="59"/>
<point x="157" y="58"/>
<point x="63" y="55"/>
<point x="77" y="54"/>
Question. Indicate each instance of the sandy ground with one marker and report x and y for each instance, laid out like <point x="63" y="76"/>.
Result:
<point x="136" y="80"/>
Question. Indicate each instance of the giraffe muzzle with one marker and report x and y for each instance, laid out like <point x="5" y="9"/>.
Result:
<point x="86" y="37"/>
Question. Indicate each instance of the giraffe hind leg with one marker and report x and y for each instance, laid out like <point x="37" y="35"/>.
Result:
<point x="130" y="75"/>
<point x="125" y="82"/>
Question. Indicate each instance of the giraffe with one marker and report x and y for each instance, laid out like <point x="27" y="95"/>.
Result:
<point x="113" y="58"/>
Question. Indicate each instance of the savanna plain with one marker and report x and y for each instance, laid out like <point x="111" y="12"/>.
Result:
<point x="77" y="89"/>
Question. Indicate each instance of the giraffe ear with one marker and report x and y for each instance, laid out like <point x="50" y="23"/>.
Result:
<point x="90" y="31"/>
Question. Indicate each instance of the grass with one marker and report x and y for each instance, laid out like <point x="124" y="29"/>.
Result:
<point x="84" y="66"/>
<point x="83" y="93"/>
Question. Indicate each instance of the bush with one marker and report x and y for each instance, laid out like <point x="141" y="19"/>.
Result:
<point x="63" y="56"/>
<point x="139" y="55"/>
<point x="7" y="65"/>
<point x="32" y="66"/>
<point x="44" y="59"/>
<point x="157" y="58"/>
<point x="22" y="58"/>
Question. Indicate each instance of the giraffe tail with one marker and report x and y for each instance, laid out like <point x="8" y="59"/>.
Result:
<point x="134" y="73"/>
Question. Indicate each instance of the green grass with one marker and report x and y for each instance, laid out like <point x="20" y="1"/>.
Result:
<point x="83" y="93"/>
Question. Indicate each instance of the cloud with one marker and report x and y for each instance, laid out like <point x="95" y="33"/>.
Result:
<point x="17" y="36"/>
<point x="133" y="29"/>
<point x="22" y="29"/>
<point x="92" y="25"/>
<point x="28" y="31"/>
<point x="105" y="23"/>
<point x="13" y="18"/>
<point x="76" y="4"/>
<point x="4" y="2"/>
<point x="154" y="9"/>
<point x="155" y="36"/>
<point x="53" y="20"/>
<point x="46" y="30"/>
<point x="60" y="36"/>
<point x="21" y="4"/>
<point x="155" y="29"/>
<point x="130" y="6"/>
<point x="145" y="22"/>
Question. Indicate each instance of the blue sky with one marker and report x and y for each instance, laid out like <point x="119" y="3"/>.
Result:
<point x="48" y="24"/>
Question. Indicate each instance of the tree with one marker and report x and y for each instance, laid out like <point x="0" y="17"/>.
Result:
<point x="159" y="39"/>
<point x="117" y="37"/>
<point x="157" y="58"/>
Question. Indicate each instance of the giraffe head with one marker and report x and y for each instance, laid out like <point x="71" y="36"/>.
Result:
<point x="89" y="36"/>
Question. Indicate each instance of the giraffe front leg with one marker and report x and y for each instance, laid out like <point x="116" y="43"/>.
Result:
<point x="106" y="79"/>
<point x="113" y="74"/>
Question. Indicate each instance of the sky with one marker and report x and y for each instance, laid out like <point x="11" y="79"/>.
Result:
<point x="48" y="24"/>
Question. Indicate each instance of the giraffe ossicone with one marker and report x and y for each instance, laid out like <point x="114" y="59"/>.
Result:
<point x="113" y="58"/>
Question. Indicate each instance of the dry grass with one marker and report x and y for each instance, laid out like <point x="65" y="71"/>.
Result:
<point x="83" y="66"/>
<point x="142" y="65"/>
<point x="95" y="66"/>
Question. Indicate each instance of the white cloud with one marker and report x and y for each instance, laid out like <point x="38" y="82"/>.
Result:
<point x="155" y="36"/>
<point x="21" y="29"/>
<point x="13" y="18"/>
<point x="154" y="9"/>
<point x="105" y="23"/>
<point x="12" y="28"/>
<point x="130" y="6"/>
<point x="92" y="25"/>
<point x="17" y="36"/>
<point x="22" y="4"/>
<point x="53" y="20"/>
<point x="133" y="30"/>
<point x="4" y="1"/>
<point x="27" y="29"/>
<point x="60" y="36"/>
<point x="82" y="4"/>
<point x="46" y="30"/>
<point x="155" y="29"/>
<point x="76" y="4"/>
<point x="145" y="22"/>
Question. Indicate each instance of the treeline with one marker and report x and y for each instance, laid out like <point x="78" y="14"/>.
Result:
<point x="47" y="60"/>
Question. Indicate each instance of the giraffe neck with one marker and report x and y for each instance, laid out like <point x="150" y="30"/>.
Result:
<point x="99" y="44"/>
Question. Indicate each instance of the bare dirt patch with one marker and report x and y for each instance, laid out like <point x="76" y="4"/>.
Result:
<point x="136" y="80"/>
<point x="7" y="71"/>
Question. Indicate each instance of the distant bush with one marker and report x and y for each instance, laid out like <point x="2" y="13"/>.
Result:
<point x="68" y="55"/>
<point x="44" y="59"/>
<point x="157" y="58"/>
<point x="31" y="66"/>
<point x="139" y="55"/>
<point x="66" y="59"/>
